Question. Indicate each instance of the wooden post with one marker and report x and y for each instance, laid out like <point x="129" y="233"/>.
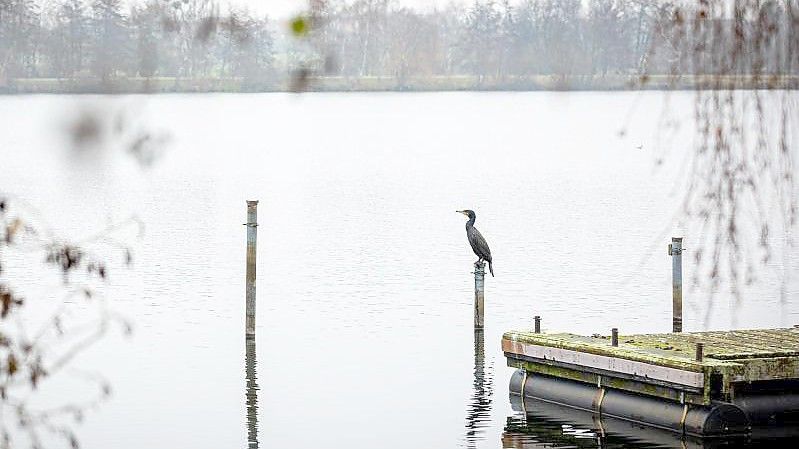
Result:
<point x="675" y="251"/>
<point x="614" y="337"/>
<point x="479" y="293"/>
<point x="700" y="352"/>
<point x="537" y="324"/>
<point x="252" y="235"/>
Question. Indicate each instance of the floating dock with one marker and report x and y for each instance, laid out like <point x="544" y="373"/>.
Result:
<point x="700" y="384"/>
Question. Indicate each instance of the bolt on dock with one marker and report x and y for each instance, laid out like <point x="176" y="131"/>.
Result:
<point x="700" y="383"/>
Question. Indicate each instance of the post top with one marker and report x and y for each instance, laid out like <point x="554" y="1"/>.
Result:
<point x="676" y="239"/>
<point x="252" y="202"/>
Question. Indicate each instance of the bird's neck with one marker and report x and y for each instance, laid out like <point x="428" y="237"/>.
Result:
<point x="470" y="223"/>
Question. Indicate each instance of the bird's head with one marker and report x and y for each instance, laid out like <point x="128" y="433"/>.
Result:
<point x="467" y="212"/>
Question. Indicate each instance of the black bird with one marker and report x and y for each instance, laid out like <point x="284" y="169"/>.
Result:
<point x="479" y="244"/>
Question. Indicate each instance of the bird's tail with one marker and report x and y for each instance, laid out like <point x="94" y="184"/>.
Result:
<point x="491" y="268"/>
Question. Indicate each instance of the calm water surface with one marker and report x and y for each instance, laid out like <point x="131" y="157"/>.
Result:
<point x="364" y="326"/>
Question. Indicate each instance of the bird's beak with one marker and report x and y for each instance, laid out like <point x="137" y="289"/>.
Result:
<point x="459" y="211"/>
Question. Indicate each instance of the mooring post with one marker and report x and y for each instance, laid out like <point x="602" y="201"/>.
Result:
<point x="252" y="235"/>
<point x="537" y="324"/>
<point x="614" y="337"/>
<point x="675" y="251"/>
<point x="479" y="293"/>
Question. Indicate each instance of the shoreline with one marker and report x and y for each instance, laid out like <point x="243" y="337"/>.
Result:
<point x="153" y="85"/>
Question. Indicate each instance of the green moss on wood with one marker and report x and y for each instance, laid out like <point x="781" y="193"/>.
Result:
<point x="734" y="356"/>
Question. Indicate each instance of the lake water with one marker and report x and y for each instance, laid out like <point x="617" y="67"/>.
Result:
<point x="364" y="323"/>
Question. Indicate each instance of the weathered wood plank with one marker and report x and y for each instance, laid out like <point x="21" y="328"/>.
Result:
<point x="607" y="363"/>
<point x="646" y="387"/>
<point x="776" y="368"/>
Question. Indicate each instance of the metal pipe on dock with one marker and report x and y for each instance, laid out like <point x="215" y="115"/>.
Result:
<point x="675" y="251"/>
<point x="252" y="235"/>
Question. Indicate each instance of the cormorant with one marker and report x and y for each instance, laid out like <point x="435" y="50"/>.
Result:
<point x="479" y="244"/>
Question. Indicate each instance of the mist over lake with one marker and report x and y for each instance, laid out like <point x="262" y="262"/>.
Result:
<point x="364" y="290"/>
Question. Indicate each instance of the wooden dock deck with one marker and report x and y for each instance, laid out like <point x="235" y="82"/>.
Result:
<point x="661" y="379"/>
<point x="662" y="365"/>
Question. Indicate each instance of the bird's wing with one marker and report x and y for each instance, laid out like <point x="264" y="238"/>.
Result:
<point x="479" y="244"/>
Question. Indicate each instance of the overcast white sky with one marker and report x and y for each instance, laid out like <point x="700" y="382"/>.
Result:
<point x="286" y="8"/>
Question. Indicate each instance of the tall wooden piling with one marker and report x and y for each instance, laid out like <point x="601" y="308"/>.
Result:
<point x="675" y="251"/>
<point x="479" y="293"/>
<point x="252" y="235"/>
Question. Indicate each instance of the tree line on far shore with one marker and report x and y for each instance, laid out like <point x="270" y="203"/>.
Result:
<point x="207" y="39"/>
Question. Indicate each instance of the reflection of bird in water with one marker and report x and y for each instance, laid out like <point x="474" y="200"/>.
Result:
<point x="479" y="245"/>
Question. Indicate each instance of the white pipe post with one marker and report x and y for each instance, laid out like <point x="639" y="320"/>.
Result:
<point x="479" y="293"/>
<point x="675" y="251"/>
<point x="252" y="235"/>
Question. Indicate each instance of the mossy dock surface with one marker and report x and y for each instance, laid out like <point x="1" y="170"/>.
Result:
<point x="663" y="365"/>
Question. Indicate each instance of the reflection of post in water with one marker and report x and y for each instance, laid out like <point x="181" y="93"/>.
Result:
<point x="479" y="409"/>
<point x="251" y="394"/>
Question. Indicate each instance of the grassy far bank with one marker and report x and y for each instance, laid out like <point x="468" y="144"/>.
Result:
<point x="387" y="84"/>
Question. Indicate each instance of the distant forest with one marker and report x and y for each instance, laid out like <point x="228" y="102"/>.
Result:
<point x="166" y="41"/>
